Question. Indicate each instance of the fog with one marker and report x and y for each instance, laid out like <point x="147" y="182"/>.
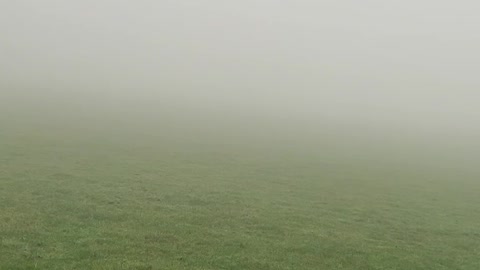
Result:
<point x="376" y="71"/>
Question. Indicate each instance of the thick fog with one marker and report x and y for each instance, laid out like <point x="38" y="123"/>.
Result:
<point x="404" y="69"/>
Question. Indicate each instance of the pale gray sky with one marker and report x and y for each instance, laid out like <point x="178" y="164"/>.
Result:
<point x="409" y="63"/>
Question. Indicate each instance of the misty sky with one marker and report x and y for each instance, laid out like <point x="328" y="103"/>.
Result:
<point x="410" y="63"/>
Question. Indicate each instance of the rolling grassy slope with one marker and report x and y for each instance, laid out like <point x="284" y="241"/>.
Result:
<point x="86" y="202"/>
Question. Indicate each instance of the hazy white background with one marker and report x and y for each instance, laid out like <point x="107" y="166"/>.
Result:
<point x="410" y="66"/>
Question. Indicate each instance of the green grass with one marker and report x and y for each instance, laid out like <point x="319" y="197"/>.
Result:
<point x="93" y="203"/>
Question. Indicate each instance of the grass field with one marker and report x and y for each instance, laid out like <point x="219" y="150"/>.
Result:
<point x="239" y="135"/>
<point x="88" y="202"/>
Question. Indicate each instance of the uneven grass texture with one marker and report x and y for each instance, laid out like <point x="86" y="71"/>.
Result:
<point x="91" y="204"/>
